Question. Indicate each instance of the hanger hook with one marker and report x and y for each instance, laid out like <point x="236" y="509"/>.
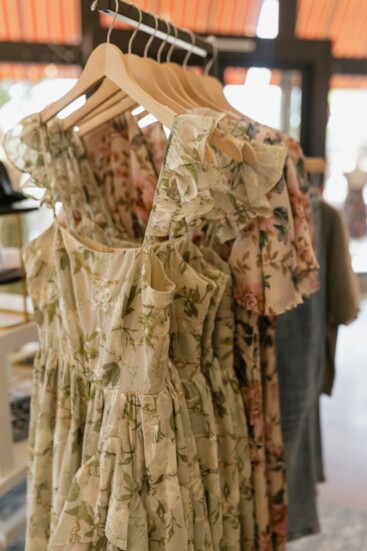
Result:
<point x="188" y="55"/>
<point x="147" y="46"/>
<point x="113" y="21"/>
<point x="136" y="30"/>
<point x="173" y="43"/>
<point x="209" y="64"/>
<point x="161" y="47"/>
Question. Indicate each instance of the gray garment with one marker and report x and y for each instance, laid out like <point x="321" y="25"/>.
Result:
<point x="300" y="348"/>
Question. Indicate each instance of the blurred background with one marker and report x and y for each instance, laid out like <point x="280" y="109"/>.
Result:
<point x="300" y="66"/>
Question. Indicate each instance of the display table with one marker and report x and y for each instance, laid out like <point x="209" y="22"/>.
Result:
<point x="13" y="457"/>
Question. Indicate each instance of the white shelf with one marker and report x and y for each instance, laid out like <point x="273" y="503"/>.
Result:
<point x="13" y="456"/>
<point x="14" y="337"/>
<point x="19" y="470"/>
<point x="13" y="528"/>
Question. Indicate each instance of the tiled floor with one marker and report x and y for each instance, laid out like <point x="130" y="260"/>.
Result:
<point x="345" y="419"/>
<point x="343" y="498"/>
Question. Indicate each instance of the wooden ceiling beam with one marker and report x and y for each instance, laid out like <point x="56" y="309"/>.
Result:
<point x="25" y="52"/>
<point x="287" y="18"/>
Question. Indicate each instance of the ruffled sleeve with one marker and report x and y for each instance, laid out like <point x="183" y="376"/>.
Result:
<point x="244" y="198"/>
<point x="28" y="150"/>
<point x="200" y="184"/>
<point x="189" y="176"/>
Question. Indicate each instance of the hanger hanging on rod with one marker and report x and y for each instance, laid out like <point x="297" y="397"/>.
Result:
<point x="157" y="81"/>
<point x="216" y="87"/>
<point x="129" y="73"/>
<point x="195" y="84"/>
<point x="188" y="97"/>
<point x="149" y="23"/>
<point x="169" y="80"/>
<point x="127" y="12"/>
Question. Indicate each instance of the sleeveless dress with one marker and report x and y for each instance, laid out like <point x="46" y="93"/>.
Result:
<point x="108" y="399"/>
<point x="109" y="463"/>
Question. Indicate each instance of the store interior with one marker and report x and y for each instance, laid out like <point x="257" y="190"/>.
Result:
<point x="298" y="66"/>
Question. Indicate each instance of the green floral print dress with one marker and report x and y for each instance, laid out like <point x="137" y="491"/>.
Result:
<point x="109" y="454"/>
<point x="190" y="306"/>
<point x="210" y="368"/>
<point x="192" y="186"/>
<point x="249" y="201"/>
<point x="223" y="346"/>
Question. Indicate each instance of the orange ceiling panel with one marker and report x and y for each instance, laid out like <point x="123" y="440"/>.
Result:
<point x="348" y="81"/>
<point x="238" y="75"/>
<point x="341" y="21"/>
<point x="58" y="21"/>
<point x="52" y="21"/>
<point x="204" y="16"/>
<point x="235" y="75"/>
<point x="18" y="71"/>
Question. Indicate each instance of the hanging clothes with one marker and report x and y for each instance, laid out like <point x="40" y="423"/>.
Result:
<point x="146" y="444"/>
<point x="299" y="190"/>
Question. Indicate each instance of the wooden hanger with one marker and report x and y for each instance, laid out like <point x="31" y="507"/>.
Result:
<point x="215" y="87"/>
<point x="107" y="61"/>
<point x="194" y="84"/>
<point x="126" y="104"/>
<point x="167" y="79"/>
<point x="116" y="98"/>
<point x="106" y="90"/>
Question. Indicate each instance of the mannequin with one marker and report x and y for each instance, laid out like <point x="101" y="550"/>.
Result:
<point x="354" y="206"/>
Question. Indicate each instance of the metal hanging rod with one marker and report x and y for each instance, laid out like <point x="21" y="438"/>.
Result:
<point x="130" y="14"/>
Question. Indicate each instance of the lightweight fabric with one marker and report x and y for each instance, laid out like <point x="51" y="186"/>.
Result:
<point x="127" y="164"/>
<point x="106" y="402"/>
<point x="210" y="368"/>
<point x="192" y="297"/>
<point x="154" y="343"/>
<point x="108" y="153"/>
<point x="112" y="455"/>
<point x="223" y="346"/>
<point x="274" y="267"/>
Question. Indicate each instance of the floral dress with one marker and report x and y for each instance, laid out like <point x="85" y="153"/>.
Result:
<point x="223" y="346"/>
<point x="190" y="307"/>
<point x="273" y="252"/>
<point x="109" y="460"/>
<point x="112" y="455"/>
<point x="210" y="368"/>
<point x="127" y="163"/>
<point x="241" y="204"/>
<point x="150" y="338"/>
<point x="109" y="441"/>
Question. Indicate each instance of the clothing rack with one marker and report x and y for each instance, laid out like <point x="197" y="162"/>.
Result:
<point x="129" y="13"/>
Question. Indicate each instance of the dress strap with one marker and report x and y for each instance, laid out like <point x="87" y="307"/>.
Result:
<point x="189" y="174"/>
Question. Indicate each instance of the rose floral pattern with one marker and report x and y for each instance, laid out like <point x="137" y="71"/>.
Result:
<point x="274" y="267"/>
